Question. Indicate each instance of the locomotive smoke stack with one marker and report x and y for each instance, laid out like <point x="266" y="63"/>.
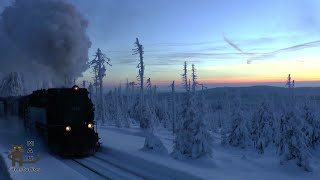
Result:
<point x="45" y="40"/>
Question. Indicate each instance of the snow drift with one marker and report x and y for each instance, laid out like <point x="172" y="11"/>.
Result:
<point x="45" y="40"/>
<point x="4" y="174"/>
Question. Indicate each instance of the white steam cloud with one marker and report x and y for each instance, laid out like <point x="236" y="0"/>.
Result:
<point x="45" y="40"/>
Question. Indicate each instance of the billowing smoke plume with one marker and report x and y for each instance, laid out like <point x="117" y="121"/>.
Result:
<point x="45" y="40"/>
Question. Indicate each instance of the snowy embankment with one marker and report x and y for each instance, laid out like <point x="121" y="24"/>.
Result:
<point x="50" y="167"/>
<point x="4" y="174"/>
<point x="227" y="163"/>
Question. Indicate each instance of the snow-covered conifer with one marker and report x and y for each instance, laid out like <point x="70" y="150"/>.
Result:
<point x="226" y="111"/>
<point x="262" y="122"/>
<point x="193" y="139"/>
<point x="111" y="109"/>
<point x="147" y="117"/>
<point x="239" y="135"/>
<point x="119" y="116"/>
<point x="173" y="108"/>
<point x="292" y="145"/>
<point x="154" y="144"/>
<point x="98" y="64"/>
<point x="311" y="125"/>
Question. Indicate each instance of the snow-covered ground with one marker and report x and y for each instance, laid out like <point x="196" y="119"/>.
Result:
<point x="108" y="163"/>
<point x="226" y="162"/>
<point x="121" y="157"/>
<point x="11" y="132"/>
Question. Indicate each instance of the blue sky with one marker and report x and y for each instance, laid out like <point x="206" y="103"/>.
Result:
<point x="173" y="31"/>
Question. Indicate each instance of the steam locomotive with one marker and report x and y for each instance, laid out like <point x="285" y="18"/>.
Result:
<point x="64" y="117"/>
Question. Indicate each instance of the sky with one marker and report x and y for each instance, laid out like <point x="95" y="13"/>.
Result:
<point x="231" y="42"/>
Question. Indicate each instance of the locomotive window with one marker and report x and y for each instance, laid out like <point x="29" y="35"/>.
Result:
<point x="75" y="108"/>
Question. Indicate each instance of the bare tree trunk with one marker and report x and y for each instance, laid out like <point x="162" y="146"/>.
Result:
<point x="139" y="50"/>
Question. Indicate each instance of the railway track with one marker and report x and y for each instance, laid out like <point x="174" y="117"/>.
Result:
<point x="112" y="164"/>
<point x="138" y="175"/>
<point x="92" y="169"/>
<point x="98" y="168"/>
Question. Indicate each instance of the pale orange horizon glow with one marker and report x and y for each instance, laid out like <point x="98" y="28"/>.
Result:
<point x="264" y="72"/>
<point x="306" y="70"/>
<point x="249" y="81"/>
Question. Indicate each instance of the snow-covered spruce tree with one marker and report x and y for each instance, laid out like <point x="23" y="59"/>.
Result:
<point x="132" y="101"/>
<point x="239" y="135"/>
<point x="173" y="108"/>
<point x="127" y="101"/>
<point x="185" y="77"/>
<point x="135" y="111"/>
<point x="261" y="127"/>
<point x="146" y="116"/>
<point x="193" y="139"/>
<point x="152" y="142"/>
<point x="12" y="85"/>
<point x="203" y="137"/>
<point x="163" y="113"/>
<point x="166" y="118"/>
<point x="125" y="106"/>
<point x="119" y="120"/>
<point x="118" y="107"/>
<point x="111" y="106"/>
<point x="98" y="64"/>
<point x="156" y="105"/>
<point x="226" y="118"/>
<point x="218" y="113"/>
<point x="151" y="97"/>
<point x="292" y="145"/>
<point x="311" y="125"/>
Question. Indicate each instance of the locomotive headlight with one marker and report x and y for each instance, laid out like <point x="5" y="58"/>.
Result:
<point x="68" y="128"/>
<point x="75" y="88"/>
<point x="90" y="126"/>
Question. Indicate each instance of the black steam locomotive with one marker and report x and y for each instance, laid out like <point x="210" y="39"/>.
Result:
<point x="64" y="117"/>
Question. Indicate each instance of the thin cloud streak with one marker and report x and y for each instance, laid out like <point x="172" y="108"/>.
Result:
<point x="272" y="53"/>
<point x="236" y="47"/>
<point x="183" y="44"/>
